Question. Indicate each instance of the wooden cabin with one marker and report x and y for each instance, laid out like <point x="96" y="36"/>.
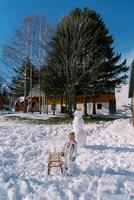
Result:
<point x="19" y="104"/>
<point x="1" y="101"/>
<point x="32" y="101"/>
<point x="105" y="103"/>
<point x="131" y="90"/>
<point x="32" y="104"/>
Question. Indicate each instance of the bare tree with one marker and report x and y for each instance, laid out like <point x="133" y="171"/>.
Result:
<point x="29" y="42"/>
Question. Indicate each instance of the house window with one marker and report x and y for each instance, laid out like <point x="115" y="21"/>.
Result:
<point x="99" y="106"/>
<point x="53" y="106"/>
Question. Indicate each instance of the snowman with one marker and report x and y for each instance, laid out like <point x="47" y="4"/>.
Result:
<point x="78" y="128"/>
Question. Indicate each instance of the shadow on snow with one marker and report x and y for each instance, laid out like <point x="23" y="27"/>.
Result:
<point x="104" y="148"/>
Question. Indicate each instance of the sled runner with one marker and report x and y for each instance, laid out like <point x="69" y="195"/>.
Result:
<point x="54" y="161"/>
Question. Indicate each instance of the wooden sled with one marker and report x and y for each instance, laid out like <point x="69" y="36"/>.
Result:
<point x="54" y="161"/>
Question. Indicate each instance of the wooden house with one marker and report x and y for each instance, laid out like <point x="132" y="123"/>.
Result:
<point x="32" y="101"/>
<point x="32" y="104"/>
<point x="105" y="103"/>
<point x="19" y="104"/>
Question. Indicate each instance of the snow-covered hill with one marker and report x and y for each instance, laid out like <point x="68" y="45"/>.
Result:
<point x="104" y="169"/>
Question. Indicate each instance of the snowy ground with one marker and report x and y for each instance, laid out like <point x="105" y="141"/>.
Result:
<point x="104" y="169"/>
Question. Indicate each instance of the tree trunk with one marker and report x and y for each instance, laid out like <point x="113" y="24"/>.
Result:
<point x="25" y="104"/>
<point x="32" y="107"/>
<point x="40" y="98"/>
<point x="75" y="103"/>
<point x="43" y="102"/>
<point x="94" y="105"/>
<point x="46" y="101"/>
<point x="66" y="105"/>
<point x="61" y="103"/>
<point x="25" y="90"/>
<point x="70" y="105"/>
<point x="54" y="106"/>
<point x="85" y="105"/>
<point x="47" y="109"/>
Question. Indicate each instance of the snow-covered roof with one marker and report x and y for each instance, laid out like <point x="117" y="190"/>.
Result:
<point x="21" y="99"/>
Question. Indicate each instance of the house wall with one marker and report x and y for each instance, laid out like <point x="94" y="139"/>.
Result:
<point x="36" y="107"/>
<point x="104" y="110"/>
<point x="103" y="100"/>
<point x="19" y="107"/>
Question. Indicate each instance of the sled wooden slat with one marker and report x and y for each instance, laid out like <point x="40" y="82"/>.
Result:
<point x="54" y="160"/>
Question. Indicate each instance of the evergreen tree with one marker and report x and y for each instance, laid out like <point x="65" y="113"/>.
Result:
<point x="81" y="58"/>
<point x="5" y="95"/>
<point x="18" y="80"/>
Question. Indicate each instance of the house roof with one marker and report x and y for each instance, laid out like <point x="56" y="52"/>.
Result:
<point x="35" y="91"/>
<point x="131" y="81"/>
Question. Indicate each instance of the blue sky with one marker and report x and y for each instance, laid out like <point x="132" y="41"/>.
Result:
<point x="118" y="16"/>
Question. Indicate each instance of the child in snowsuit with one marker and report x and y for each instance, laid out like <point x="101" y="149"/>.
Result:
<point x="69" y="153"/>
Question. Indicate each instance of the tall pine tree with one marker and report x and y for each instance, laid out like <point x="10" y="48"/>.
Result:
<point x="82" y="58"/>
